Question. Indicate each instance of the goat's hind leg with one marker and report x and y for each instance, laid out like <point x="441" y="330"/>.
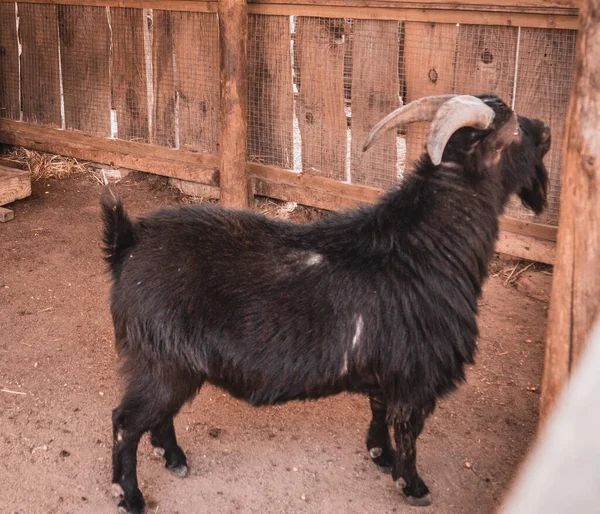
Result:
<point x="163" y="438"/>
<point x="150" y="402"/>
<point x="379" y="444"/>
<point x="126" y="437"/>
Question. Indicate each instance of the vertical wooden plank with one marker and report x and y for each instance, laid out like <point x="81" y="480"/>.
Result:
<point x="320" y="43"/>
<point x="129" y="84"/>
<point x="197" y="77"/>
<point x="163" y="69"/>
<point x="429" y="56"/>
<point x="574" y="306"/>
<point x="85" y="54"/>
<point x="40" y="76"/>
<point x="485" y="60"/>
<point x="544" y="80"/>
<point x="233" y="35"/>
<point x="10" y="103"/>
<point x="270" y="91"/>
<point x="374" y="95"/>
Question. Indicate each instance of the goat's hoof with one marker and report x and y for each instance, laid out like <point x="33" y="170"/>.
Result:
<point x="117" y="490"/>
<point x="376" y="452"/>
<point x="159" y="452"/>
<point x="131" y="503"/>
<point x="181" y="471"/>
<point x="382" y="459"/>
<point x="423" y="501"/>
<point x="123" y="510"/>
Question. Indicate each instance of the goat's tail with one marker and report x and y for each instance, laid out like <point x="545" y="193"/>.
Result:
<point x="119" y="234"/>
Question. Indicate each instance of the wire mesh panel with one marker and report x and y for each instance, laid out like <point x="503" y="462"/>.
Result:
<point x="270" y="91"/>
<point x="316" y="86"/>
<point x="374" y="94"/>
<point x="129" y="80"/>
<point x="361" y="70"/>
<point x="197" y="80"/>
<point x="164" y="130"/>
<point x="319" y="48"/>
<point x="185" y="63"/>
<point x="84" y="58"/>
<point x="40" y="71"/>
<point x="429" y="69"/>
<point x="543" y="85"/>
<point x="10" y="102"/>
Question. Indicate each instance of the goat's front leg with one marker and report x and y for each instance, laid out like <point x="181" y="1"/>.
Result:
<point x="162" y="437"/>
<point x="408" y="424"/>
<point x="379" y="444"/>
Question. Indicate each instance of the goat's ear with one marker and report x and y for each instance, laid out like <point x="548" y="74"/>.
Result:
<point x="500" y="140"/>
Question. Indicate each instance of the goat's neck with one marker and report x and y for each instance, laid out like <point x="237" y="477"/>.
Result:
<point x="441" y="212"/>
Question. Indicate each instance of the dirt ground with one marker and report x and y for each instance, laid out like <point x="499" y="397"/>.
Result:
<point x="59" y="384"/>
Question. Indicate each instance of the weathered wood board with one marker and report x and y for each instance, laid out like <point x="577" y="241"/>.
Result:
<point x="40" y="75"/>
<point x="375" y="93"/>
<point x="129" y="84"/>
<point x="270" y="91"/>
<point x="320" y="46"/>
<point x="163" y="60"/>
<point x="10" y="103"/>
<point x="85" y="56"/>
<point x="485" y="60"/>
<point x="197" y="78"/>
<point x="429" y="55"/>
<point x="14" y="184"/>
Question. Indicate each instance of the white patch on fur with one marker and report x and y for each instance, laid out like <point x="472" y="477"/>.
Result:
<point x="451" y="164"/>
<point x="314" y="259"/>
<point x="357" y="333"/>
<point x="119" y="436"/>
<point x="345" y="366"/>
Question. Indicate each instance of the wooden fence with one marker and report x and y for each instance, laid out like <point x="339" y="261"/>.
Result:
<point x="166" y="86"/>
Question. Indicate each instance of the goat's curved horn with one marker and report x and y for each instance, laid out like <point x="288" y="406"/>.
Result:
<point x="423" y="109"/>
<point x="460" y="111"/>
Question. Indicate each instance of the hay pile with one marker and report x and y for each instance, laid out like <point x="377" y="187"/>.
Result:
<point x="43" y="166"/>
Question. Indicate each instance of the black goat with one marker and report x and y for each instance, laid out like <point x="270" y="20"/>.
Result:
<point x="380" y="300"/>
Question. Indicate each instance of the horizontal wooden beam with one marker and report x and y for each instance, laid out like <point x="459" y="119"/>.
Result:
<point x="325" y="193"/>
<point x="528" y="228"/>
<point x="161" y="160"/>
<point x="526" y="247"/>
<point x="533" y="14"/>
<point x="542" y="6"/>
<point x="516" y="19"/>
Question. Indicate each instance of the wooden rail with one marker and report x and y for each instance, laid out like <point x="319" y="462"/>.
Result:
<point x="528" y="13"/>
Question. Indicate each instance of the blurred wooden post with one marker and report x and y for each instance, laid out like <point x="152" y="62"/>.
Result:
<point x="233" y="34"/>
<point x="575" y="301"/>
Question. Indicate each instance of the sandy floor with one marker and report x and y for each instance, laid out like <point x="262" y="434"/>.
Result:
<point x="56" y="350"/>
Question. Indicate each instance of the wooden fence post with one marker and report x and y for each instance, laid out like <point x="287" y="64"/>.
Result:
<point x="575" y="301"/>
<point x="233" y="34"/>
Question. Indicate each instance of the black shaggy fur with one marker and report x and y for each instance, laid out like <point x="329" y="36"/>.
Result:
<point x="381" y="300"/>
